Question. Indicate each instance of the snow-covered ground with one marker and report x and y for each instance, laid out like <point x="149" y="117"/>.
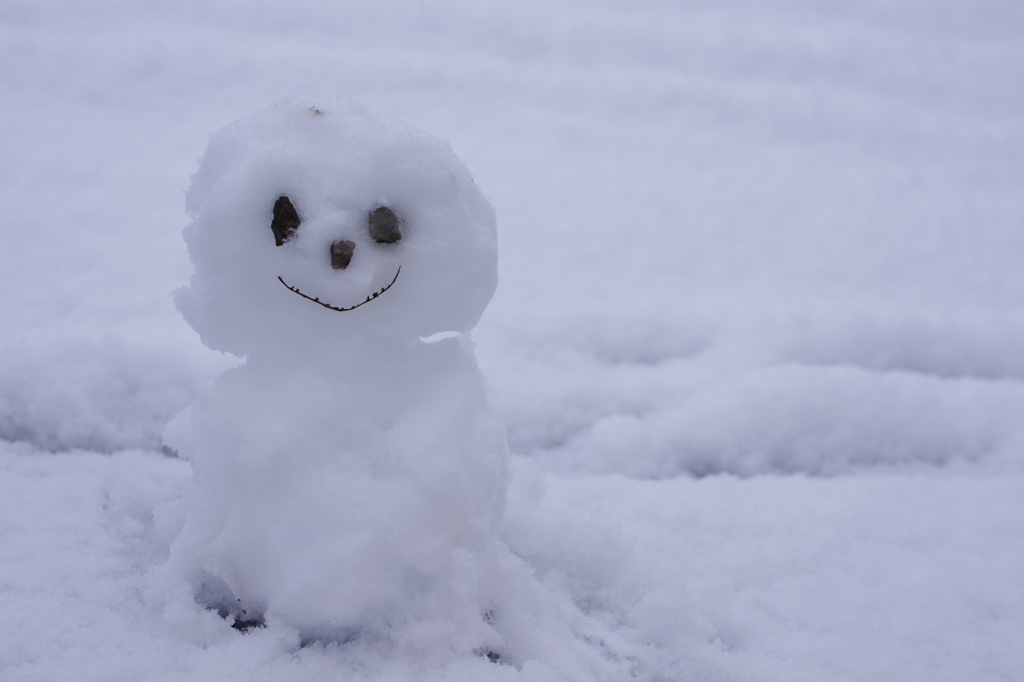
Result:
<point x="758" y="337"/>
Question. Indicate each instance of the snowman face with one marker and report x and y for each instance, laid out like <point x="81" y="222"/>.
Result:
<point x="382" y="224"/>
<point x="316" y="224"/>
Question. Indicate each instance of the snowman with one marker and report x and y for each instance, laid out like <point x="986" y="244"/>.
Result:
<point x="348" y="476"/>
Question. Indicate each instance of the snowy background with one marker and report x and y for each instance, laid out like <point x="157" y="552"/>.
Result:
<point x="758" y="337"/>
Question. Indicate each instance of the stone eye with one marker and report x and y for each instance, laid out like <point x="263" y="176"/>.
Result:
<point x="384" y="225"/>
<point x="286" y="220"/>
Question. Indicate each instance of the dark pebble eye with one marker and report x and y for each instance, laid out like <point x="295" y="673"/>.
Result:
<point x="384" y="225"/>
<point x="286" y="220"/>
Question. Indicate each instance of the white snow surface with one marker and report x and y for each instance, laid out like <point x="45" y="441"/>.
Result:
<point x="758" y="337"/>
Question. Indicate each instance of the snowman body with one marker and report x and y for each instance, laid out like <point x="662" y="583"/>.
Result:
<point x="348" y="475"/>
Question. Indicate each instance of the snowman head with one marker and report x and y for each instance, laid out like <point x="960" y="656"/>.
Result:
<point x="314" y="224"/>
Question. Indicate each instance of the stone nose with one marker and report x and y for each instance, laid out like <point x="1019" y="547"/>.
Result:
<point x="341" y="254"/>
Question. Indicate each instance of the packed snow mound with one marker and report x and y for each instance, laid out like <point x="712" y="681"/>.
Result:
<point x="278" y="192"/>
<point x="780" y="390"/>
<point x="98" y="392"/>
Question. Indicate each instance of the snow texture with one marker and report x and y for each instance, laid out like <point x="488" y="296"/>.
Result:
<point x="756" y="342"/>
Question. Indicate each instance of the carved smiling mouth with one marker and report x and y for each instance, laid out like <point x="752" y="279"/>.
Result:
<point x="369" y="298"/>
